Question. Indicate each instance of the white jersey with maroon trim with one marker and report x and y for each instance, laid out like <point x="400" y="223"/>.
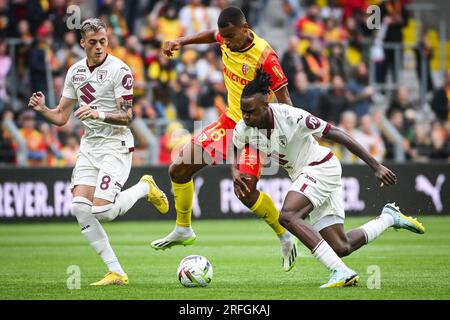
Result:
<point x="99" y="87"/>
<point x="291" y="141"/>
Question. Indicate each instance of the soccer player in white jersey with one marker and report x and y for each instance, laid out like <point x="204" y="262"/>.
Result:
<point x="286" y="134"/>
<point x="103" y="87"/>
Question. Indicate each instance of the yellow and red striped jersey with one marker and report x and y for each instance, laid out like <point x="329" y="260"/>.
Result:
<point x="239" y="68"/>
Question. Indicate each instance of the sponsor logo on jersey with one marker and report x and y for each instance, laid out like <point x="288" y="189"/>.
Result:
<point x="101" y="75"/>
<point x="127" y="81"/>
<point x="81" y="70"/>
<point x="234" y="77"/>
<point x="245" y="68"/>
<point x="312" y="122"/>
<point x="78" y="78"/>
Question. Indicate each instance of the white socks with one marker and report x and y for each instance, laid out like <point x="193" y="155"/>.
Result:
<point x="285" y="237"/>
<point x="326" y="255"/>
<point x="185" y="231"/>
<point x="124" y="201"/>
<point x="374" y="228"/>
<point x="94" y="233"/>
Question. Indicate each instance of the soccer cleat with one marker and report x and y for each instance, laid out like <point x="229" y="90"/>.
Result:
<point x="173" y="239"/>
<point x="401" y="221"/>
<point x="342" y="278"/>
<point x="289" y="252"/>
<point x="112" y="278"/>
<point x="155" y="195"/>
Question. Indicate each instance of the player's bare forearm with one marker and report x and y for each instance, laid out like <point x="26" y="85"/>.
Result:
<point x="123" y="116"/>
<point x="341" y="137"/>
<point x="198" y="38"/>
<point x="283" y="96"/>
<point x="59" y="115"/>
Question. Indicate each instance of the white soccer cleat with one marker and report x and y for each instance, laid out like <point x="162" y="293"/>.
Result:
<point x="342" y="278"/>
<point x="289" y="251"/>
<point x="173" y="239"/>
<point x="401" y="221"/>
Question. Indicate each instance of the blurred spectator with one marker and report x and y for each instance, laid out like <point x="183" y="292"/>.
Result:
<point x="421" y="147"/>
<point x="347" y="123"/>
<point x="23" y="29"/>
<point x="118" y="21"/>
<point x="161" y="72"/>
<point x="316" y="64"/>
<point x="4" y="18"/>
<point x="5" y="66"/>
<point x="134" y="60"/>
<point x="172" y="141"/>
<point x="194" y="18"/>
<point x="52" y="144"/>
<point x="69" y="151"/>
<point x="360" y="93"/>
<point x="441" y="100"/>
<point x="168" y="26"/>
<point x="424" y="53"/>
<point x="7" y="152"/>
<point x="334" y="101"/>
<point x="70" y="52"/>
<point x="394" y="14"/>
<point x="291" y="62"/>
<point x="305" y="96"/>
<point x="214" y="11"/>
<point x="397" y="119"/>
<point x="211" y="91"/>
<point x="338" y="62"/>
<point x="370" y="138"/>
<point x="37" y="60"/>
<point x="57" y="15"/>
<point x="310" y="26"/>
<point x="440" y="141"/>
<point x="401" y="103"/>
<point x="115" y="48"/>
<point x="334" y="32"/>
<point x="37" y="150"/>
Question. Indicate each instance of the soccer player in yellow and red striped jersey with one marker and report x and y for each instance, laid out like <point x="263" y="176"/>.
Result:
<point x="243" y="52"/>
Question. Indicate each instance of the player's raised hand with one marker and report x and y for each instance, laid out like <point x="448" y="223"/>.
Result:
<point x="385" y="176"/>
<point x="37" y="101"/>
<point x="170" y="46"/>
<point x="86" y="112"/>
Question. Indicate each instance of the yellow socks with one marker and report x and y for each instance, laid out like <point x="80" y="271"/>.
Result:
<point x="265" y="208"/>
<point x="183" y="194"/>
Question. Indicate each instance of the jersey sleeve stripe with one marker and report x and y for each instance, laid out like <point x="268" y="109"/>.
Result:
<point x="280" y="86"/>
<point x="128" y="97"/>
<point x="264" y="56"/>
<point x="327" y="128"/>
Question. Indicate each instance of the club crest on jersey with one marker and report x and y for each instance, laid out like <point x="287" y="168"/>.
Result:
<point x="245" y="68"/>
<point x="282" y="140"/>
<point x="101" y="75"/>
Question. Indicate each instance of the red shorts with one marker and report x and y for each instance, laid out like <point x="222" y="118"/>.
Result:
<point x="217" y="141"/>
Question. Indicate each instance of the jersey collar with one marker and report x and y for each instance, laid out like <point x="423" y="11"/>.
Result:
<point x="92" y="68"/>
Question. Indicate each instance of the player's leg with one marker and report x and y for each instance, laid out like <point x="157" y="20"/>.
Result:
<point x="181" y="172"/>
<point x="263" y="207"/>
<point x="110" y="201"/>
<point x="345" y="243"/>
<point x="295" y="209"/>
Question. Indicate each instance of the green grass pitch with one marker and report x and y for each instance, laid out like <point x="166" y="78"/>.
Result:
<point x="245" y="255"/>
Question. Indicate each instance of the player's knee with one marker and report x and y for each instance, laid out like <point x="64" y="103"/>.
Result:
<point x="81" y="208"/>
<point x="177" y="173"/>
<point x="342" y="249"/>
<point x="105" y="213"/>
<point x="286" y="218"/>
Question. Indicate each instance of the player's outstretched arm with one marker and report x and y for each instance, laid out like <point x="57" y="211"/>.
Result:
<point x="59" y="115"/>
<point x="174" y="45"/>
<point x="122" y="116"/>
<point x="383" y="174"/>
<point x="283" y="96"/>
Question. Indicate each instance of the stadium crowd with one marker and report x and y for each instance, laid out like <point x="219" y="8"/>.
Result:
<point x="326" y="62"/>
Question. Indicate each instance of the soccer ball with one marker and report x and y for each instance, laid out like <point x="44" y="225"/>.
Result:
<point x="195" y="271"/>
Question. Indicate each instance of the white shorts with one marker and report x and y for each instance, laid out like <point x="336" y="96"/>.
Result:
<point x="106" y="172"/>
<point x="321" y="184"/>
